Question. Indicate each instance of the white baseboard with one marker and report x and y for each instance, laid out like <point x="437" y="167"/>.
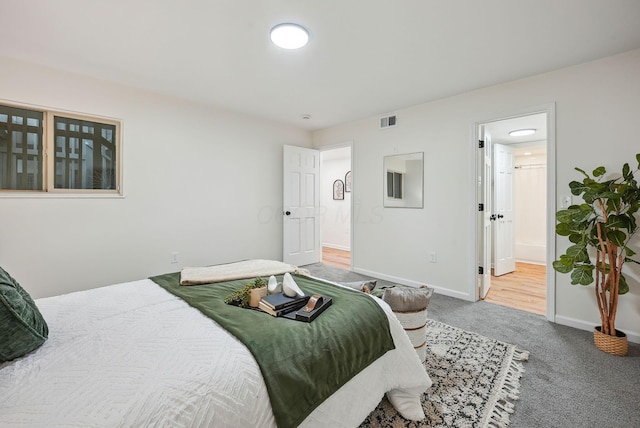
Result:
<point x="411" y="283"/>
<point x="531" y="262"/>
<point x="535" y="252"/>
<point x="337" y="247"/>
<point x="588" y="326"/>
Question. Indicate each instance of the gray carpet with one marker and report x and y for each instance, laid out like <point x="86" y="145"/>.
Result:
<point x="568" y="382"/>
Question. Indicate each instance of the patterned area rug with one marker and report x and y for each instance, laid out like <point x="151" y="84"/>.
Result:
<point x="475" y="381"/>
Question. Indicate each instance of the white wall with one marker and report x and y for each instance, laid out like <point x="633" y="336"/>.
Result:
<point x="197" y="180"/>
<point x="530" y="207"/>
<point x="336" y="214"/>
<point x="596" y="112"/>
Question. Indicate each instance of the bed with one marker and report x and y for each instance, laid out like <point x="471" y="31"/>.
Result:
<point x="134" y="354"/>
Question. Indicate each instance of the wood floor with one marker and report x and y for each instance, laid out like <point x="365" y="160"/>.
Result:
<point x="335" y="257"/>
<point x="524" y="289"/>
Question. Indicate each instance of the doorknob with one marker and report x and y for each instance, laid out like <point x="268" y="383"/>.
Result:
<point x="287" y="213"/>
<point x="500" y="216"/>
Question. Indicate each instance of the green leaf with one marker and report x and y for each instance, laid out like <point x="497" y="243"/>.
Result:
<point x="582" y="275"/>
<point x="617" y="237"/>
<point x="617" y="221"/>
<point x="574" y="214"/>
<point x="623" y="287"/>
<point x="561" y="267"/>
<point x="614" y="205"/>
<point x="587" y="175"/>
<point x="629" y="252"/>
<point x="590" y="196"/>
<point x="626" y="171"/>
<point x="574" y="237"/>
<point x="565" y="216"/>
<point x="632" y="222"/>
<point x="581" y="215"/>
<point x="638" y="159"/>
<point x="599" y="171"/>
<point x="578" y="253"/>
<point x="563" y="229"/>
<point x="609" y="195"/>
<point x="577" y="188"/>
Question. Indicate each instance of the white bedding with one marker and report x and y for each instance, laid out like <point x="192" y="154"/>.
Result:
<point x="133" y="354"/>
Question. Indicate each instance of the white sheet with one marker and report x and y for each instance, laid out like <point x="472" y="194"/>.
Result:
<point x="133" y="354"/>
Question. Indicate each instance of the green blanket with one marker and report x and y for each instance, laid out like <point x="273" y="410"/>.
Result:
<point x="302" y="363"/>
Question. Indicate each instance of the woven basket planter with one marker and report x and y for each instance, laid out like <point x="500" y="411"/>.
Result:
<point x="614" y="345"/>
<point x="415" y="325"/>
<point x="409" y="305"/>
<point x="410" y="320"/>
<point x="417" y="336"/>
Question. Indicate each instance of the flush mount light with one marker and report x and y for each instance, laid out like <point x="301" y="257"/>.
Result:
<point x="522" y="132"/>
<point x="289" y="36"/>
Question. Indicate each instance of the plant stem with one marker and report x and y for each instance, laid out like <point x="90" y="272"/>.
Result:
<point x="601" y="281"/>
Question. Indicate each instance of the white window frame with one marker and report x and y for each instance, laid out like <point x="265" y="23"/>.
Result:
<point x="49" y="155"/>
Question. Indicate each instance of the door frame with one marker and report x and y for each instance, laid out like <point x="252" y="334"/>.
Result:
<point x="550" y="110"/>
<point x="353" y="189"/>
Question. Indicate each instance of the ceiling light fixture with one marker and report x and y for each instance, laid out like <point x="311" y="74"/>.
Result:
<point x="522" y="132"/>
<point x="289" y="36"/>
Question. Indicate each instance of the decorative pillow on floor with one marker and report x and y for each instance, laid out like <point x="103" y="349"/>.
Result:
<point x="408" y="299"/>
<point x="22" y="328"/>
<point x="364" y="286"/>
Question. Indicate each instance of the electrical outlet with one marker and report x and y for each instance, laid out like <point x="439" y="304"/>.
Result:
<point x="433" y="257"/>
<point x="174" y="257"/>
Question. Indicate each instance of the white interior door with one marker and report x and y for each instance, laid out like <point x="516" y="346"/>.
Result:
<point x="503" y="230"/>
<point x="301" y="206"/>
<point x="486" y="200"/>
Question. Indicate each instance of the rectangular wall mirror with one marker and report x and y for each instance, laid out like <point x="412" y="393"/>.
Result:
<point x="403" y="180"/>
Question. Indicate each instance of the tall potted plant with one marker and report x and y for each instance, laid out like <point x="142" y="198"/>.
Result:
<point x="600" y="230"/>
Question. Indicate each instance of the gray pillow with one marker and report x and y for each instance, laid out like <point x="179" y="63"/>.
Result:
<point x="408" y="299"/>
<point x="365" y="286"/>
<point x="22" y="327"/>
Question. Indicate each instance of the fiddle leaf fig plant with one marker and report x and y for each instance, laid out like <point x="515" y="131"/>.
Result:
<point x="600" y="230"/>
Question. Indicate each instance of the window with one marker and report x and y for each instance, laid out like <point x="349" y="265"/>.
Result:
<point x="50" y="151"/>
<point x="394" y="185"/>
<point x="21" y="166"/>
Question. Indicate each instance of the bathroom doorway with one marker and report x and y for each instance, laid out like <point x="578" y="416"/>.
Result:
<point x="517" y="176"/>
<point x="336" y="188"/>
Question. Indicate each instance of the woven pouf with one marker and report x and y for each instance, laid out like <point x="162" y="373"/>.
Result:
<point x="410" y="307"/>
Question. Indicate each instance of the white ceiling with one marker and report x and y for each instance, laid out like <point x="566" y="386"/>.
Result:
<point x="499" y="130"/>
<point x="365" y="57"/>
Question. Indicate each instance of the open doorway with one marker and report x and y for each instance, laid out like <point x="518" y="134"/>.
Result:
<point x="335" y="202"/>
<point x="516" y="177"/>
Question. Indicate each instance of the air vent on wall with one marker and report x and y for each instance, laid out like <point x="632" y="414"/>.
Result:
<point x="388" y="121"/>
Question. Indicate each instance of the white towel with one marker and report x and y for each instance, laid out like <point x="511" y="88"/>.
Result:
<point x="238" y="270"/>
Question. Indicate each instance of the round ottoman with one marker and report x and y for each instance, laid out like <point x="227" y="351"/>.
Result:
<point x="409" y="304"/>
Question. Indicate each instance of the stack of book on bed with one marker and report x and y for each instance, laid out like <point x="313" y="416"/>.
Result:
<point x="281" y="305"/>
